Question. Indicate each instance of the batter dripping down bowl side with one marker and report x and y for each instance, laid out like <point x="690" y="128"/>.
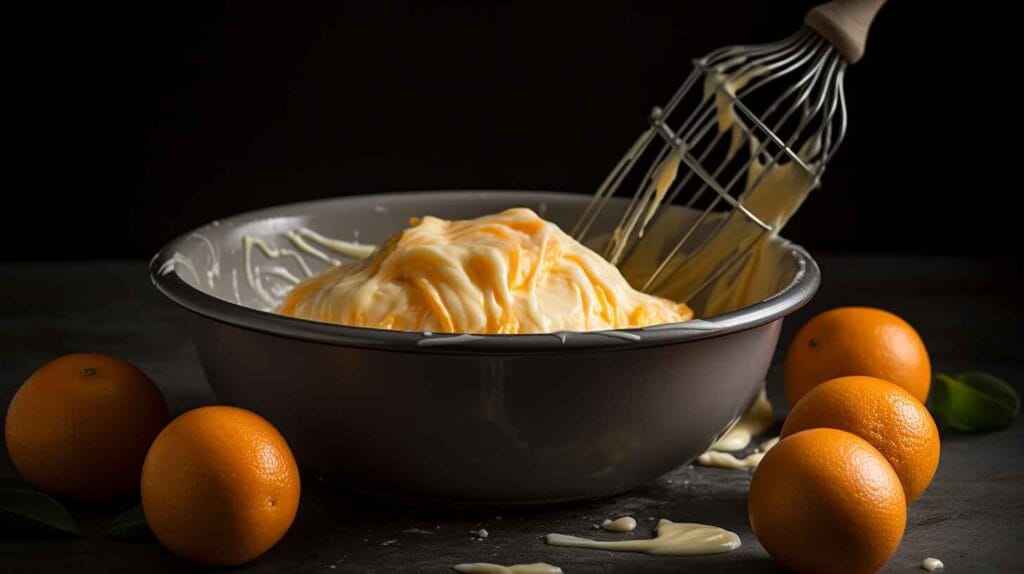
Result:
<point x="501" y="420"/>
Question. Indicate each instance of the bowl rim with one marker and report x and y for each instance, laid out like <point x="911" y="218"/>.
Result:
<point x="798" y="292"/>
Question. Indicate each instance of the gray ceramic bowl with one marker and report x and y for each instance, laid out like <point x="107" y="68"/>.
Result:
<point x="495" y="420"/>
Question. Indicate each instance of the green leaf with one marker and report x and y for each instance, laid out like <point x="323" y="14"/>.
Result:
<point x="131" y="526"/>
<point x="975" y="402"/>
<point x="31" y="514"/>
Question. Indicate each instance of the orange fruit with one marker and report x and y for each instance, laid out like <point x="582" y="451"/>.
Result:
<point x="80" y="426"/>
<point x="857" y="341"/>
<point x="824" y="500"/>
<point x="220" y="486"/>
<point x="888" y="417"/>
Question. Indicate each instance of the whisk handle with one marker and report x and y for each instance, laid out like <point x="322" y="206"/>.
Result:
<point x="845" y="23"/>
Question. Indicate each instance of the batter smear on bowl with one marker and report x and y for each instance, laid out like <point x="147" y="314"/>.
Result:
<point x="507" y="273"/>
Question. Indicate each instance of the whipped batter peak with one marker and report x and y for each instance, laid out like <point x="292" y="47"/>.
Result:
<point x="510" y="272"/>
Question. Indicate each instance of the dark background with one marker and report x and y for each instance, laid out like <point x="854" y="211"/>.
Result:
<point x="132" y="125"/>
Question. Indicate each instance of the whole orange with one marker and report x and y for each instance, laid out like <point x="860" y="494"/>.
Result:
<point x="220" y="486"/>
<point x="824" y="500"/>
<point x="80" y="426"/>
<point x="857" y="341"/>
<point x="888" y="417"/>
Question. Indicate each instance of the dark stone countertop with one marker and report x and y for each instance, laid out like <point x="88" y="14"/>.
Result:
<point x="968" y="311"/>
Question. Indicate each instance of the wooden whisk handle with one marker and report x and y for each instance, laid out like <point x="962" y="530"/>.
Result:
<point x="845" y="23"/>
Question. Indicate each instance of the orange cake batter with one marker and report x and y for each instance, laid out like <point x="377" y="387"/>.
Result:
<point x="510" y="272"/>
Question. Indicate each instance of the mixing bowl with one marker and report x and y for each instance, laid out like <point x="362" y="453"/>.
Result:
<point x="493" y="420"/>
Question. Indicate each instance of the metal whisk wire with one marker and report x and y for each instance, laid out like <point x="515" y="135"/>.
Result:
<point x="802" y="126"/>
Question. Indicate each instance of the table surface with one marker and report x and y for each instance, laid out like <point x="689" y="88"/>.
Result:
<point x="969" y="313"/>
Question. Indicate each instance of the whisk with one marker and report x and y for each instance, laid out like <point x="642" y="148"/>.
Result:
<point x="743" y="140"/>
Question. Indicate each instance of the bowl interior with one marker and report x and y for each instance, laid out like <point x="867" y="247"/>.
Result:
<point x="255" y="258"/>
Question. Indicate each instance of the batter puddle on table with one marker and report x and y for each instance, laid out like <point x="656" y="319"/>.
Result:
<point x="728" y="460"/>
<point x="672" y="539"/>
<point x="488" y="568"/>
<point x="758" y="420"/>
<point x="621" y="524"/>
